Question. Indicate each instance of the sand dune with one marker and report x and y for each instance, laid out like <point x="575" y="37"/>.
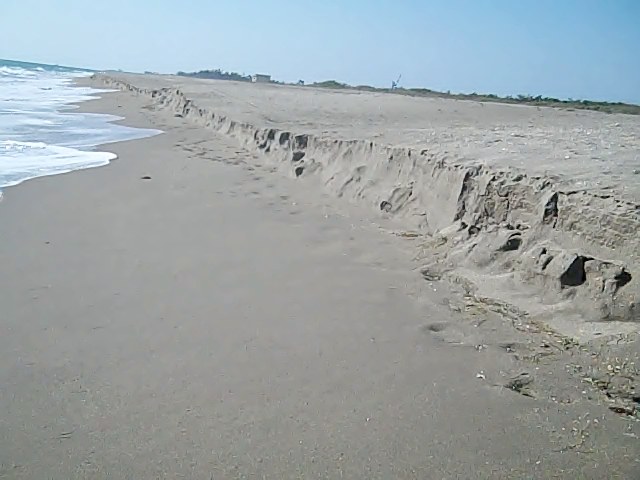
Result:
<point x="533" y="207"/>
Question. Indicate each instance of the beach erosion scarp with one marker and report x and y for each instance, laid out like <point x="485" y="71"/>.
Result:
<point x="536" y="209"/>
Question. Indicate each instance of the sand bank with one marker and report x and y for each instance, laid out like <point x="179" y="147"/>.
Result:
<point x="533" y="207"/>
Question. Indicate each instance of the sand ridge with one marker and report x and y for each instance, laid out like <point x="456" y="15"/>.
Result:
<point x="552" y="230"/>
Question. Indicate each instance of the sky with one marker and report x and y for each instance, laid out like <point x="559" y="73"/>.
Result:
<point x="581" y="49"/>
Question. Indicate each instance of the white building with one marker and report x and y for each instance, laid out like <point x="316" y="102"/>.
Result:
<point x="259" y="78"/>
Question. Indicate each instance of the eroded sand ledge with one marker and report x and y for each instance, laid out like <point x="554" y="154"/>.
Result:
<point x="534" y="241"/>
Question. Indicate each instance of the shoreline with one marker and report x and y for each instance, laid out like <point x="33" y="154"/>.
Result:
<point x="78" y="108"/>
<point x="188" y="311"/>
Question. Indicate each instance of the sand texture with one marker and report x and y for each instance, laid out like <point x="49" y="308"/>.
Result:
<point x="190" y="312"/>
<point x="534" y="207"/>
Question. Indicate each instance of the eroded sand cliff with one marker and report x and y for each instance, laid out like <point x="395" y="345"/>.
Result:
<point x="535" y="208"/>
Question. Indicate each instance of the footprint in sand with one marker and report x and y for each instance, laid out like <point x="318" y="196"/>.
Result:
<point x="452" y="334"/>
<point x="436" y="327"/>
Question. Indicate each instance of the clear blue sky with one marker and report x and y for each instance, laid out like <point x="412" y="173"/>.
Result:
<point x="563" y="48"/>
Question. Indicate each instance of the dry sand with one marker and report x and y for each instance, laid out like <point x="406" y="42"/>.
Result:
<point x="585" y="149"/>
<point x="536" y="208"/>
<point x="188" y="312"/>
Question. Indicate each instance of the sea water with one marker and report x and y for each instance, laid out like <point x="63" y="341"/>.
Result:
<point x="41" y="134"/>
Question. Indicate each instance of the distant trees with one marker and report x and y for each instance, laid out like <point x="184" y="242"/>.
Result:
<point x="217" y="74"/>
<point x="331" y="84"/>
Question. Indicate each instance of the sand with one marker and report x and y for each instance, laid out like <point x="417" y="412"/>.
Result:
<point x="531" y="203"/>
<point x="190" y="312"/>
<point x="585" y="149"/>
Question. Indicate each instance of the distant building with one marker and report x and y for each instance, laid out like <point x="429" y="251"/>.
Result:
<point x="258" y="78"/>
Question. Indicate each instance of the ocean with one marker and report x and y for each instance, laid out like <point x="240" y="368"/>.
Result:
<point x="41" y="134"/>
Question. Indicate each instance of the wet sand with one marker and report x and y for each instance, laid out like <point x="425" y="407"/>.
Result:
<point x="187" y="313"/>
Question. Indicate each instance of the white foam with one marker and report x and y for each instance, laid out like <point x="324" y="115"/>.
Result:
<point x="41" y="92"/>
<point x="41" y="135"/>
<point x="16" y="72"/>
<point x="20" y="161"/>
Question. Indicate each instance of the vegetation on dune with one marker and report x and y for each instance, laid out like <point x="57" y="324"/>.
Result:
<point x="540" y="101"/>
<point x="331" y="84"/>
<point x="607" y="107"/>
<point x="217" y="74"/>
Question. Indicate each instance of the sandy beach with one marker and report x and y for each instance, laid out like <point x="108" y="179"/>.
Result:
<point x="189" y="311"/>
<point x="527" y="202"/>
